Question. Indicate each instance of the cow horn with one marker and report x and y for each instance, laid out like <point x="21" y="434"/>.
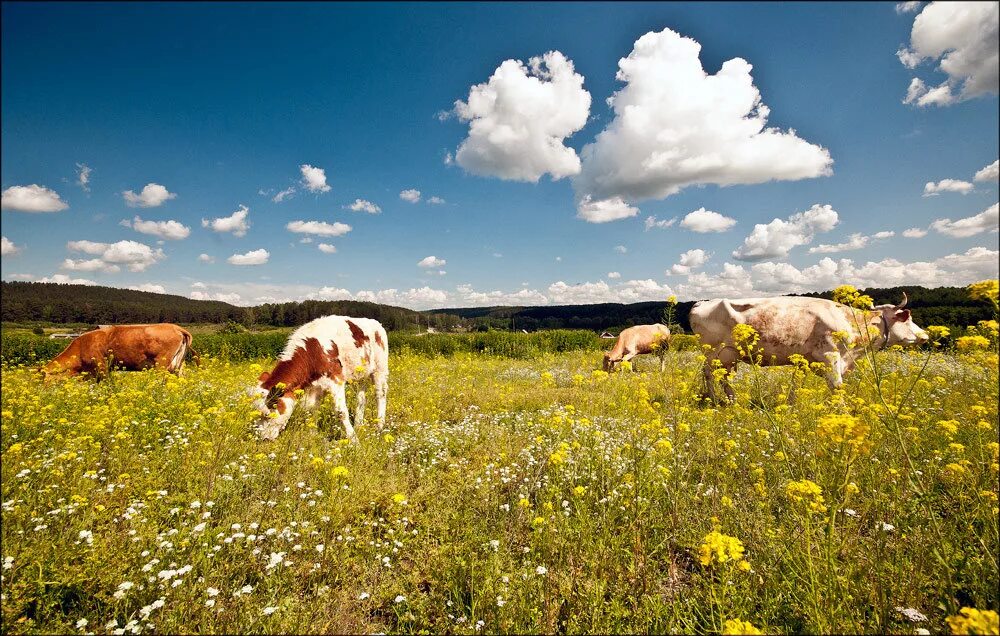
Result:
<point x="902" y="304"/>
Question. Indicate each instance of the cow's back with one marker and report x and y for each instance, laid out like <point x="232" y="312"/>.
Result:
<point x="361" y="344"/>
<point x="137" y="347"/>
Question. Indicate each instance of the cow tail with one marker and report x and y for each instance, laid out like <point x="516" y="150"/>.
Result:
<point x="194" y="354"/>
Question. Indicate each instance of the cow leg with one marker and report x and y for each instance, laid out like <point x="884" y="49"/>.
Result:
<point x="339" y="393"/>
<point x="381" y="388"/>
<point x="730" y="369"/>
<point x="359" y="405"/>
<point x="628" y="358"/>
<point x="709" y="381"/>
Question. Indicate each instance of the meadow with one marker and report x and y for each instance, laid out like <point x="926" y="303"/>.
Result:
<point x="510" y="491"/>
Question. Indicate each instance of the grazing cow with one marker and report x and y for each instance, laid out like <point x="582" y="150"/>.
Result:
<point x="638" y="340"/>
<point x="819" y="330"/>
<point x="322" y="356"/>
<point x="131" y="347"/>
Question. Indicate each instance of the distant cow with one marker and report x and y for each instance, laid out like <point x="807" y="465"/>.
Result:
<point x="322" y="356"/>
<point x="790" y="325"/>
<point x="131" y="347"/>
<point x="638" y="340"/>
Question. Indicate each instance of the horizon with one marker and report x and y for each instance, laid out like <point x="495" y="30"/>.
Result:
<point x="567" y="154"/>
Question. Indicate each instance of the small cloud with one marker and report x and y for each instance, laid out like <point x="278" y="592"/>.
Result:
<point x="777" y="238"/>
<point x="153" y="195"/>
<point x="63" y="279"/>
<point x="704" y="221"/>
<point x="287" y="193"/>
<point x="318" y="228"/>
<point x="604" y="210"/>
<point x="412" y="196"/>
<point x="7" y="247"/>
<point x="149" y="287"/>
<point x="361" y="205"/>
<point x="614" y="275"/>
<point x="907" y="7"/>
<point x="652" y="222"/>
<point x="83" y="176"/>
<point x="236" y="223"/>
<point x="985" y="221"/>
<point x="306" y="239"/>
<point x="436" y="201"/>
<point x="32" y="198"/>
<point x="314" y="179"/>
<point x="947" y="185"/>
<point x="205" y="258"/>
<point x="132" y="254"/>
<point x="171" y="230"/>
<point x="326" y="248"/>
<point x="431" y="262"/>
<point x="621" y="249"/>
<point x="989" y="173"/>
<point x="256" y="257"/>
<point x="914" y="232"/>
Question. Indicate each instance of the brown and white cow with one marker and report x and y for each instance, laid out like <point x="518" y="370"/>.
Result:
<point x="321" y="357"/>
<point x="636" y="341"/>
<point x="131" y="347"/>
<point x="790" y="325"/>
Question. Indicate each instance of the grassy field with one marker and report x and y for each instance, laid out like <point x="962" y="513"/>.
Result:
<point x="508" y="495"/>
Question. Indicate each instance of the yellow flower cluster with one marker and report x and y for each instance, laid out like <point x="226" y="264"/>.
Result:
<point x="721" y="548"/>
<point x="843" y="429"/>
<point x="972" y="343"/>
<point x="972" y="621"/>
<point x="806" y="493"/>
<point x="848" y="295"/>
<point x="737" y="627"/>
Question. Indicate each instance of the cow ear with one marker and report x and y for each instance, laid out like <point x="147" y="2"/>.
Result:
<point x="264" y="376"/>
<point x="902" y="315"/>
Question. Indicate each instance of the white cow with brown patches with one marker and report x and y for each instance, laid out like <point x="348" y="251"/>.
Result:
<point x="636" y="341"/>
<point x="322" y="356"/>
<point x="818" y="330"/>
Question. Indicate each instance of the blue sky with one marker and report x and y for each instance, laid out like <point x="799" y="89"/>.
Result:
<point x="223" y="104"/>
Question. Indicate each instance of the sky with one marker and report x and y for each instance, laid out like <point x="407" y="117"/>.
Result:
<point x="454" y="155"/>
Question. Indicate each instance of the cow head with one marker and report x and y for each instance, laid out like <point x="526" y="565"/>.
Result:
<point x="274" y="407"/>
<point x="609" y="366"/>
<point x="897" y="325"/>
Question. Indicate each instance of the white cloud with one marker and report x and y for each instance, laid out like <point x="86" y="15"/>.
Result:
<point x="411" y="195"/>
<point x="256" y="257"/>
<point x="946" y="185"/>
<point x="964" y="36"/>
<point x="520" y="119"/>
<point x="915" y="232"/>
<point x="676" y="126"/>
<point x="83" y="176"/>
<point x="287" y="193"/>
<point x="651" y="222"/>
<point x="777" y="238"/>
<point x="198" y="285"/>
<point x="704" y="221"/>
<point x="689" y="260"/>
<point x="63" y="279"/>
<point x="621" y="249"/>
<point x="314" y="179"/>
<point x="149" y="287"/>
<point x="907" y="7"/>
<point x="236" y="222"/>
<point x="32" y="198"/>
<point x="153" y="195"/>
<point x="604" y="210"/>
<point x="232" y="298"/>
<point x="436" y="201"/>
<point x="306" y="240"/>
<point x="855" y="241"/>
<point x="562" y="294"/>
<point x="330" y="293"/>
<point x="319" y="228"/>
<point x="88" y="265"/>
<point x="494" y="298"/>
<point x="614" y="275"/>
<point x="360" y="205"/>
<point x="985" y="221"/>
<point x="171" y="230"/>
<point x="7" y="247"/>
<point x="205" y="258"/>
<point x="326" y="248"/>
<point x="431" y="262"/>
<point x="989" y="173"/>
<point x="133" y="255"/>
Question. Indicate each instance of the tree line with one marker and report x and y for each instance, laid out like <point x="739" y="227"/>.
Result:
<point x="22" y="302"/>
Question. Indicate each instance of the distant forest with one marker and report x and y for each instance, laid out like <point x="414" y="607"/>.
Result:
<point x="22" y="302"/>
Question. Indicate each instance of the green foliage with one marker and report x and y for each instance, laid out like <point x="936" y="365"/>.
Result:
<point x="25" y="348"/>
